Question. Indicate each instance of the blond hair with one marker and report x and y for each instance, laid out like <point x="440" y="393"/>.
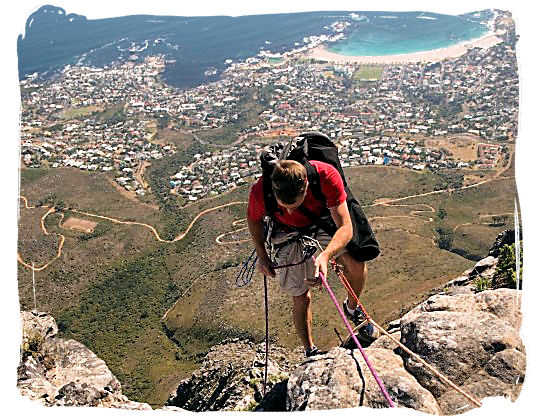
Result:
<point x="289" y="180"/>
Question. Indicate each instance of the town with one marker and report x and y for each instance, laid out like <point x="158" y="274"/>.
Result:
<point x="108" y="119"/>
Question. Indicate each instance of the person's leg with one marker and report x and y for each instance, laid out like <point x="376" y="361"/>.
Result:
<point x="356" y="273"/>
<point x="301" y="313"/>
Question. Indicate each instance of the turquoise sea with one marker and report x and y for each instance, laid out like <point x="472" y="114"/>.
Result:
<point x="388" y="33"/>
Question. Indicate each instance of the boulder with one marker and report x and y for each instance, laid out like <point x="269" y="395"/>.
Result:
<point x="484" y="264"/>
<point x="37" y="325"/>
<point x="341" y="379"/>
<point x="231" y="378"/>
<point x="460" y="336"/>
<point x="64" y="372"/>
<point x="506" y="237"/>
<point x="502" y="375"/>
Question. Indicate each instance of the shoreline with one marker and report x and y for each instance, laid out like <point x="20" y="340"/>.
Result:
<point x="486" y="41"/>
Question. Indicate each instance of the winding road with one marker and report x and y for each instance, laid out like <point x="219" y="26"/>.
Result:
<point x="179" y="237"/>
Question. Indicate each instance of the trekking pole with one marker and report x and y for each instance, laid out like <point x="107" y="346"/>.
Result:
<point x="347" y="324"/>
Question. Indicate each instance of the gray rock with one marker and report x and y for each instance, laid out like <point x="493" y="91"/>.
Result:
<point x="74" y="362"/>
<point x="62" y="372"/>
<point x="504" y="303"/>
<point x="231" y="378"/>
<point x="462" y="280"/>
<point x="506" y="237"/>
<point x="328" y="381"/>
<point x="384" y="342"/>
<point x="501" y="302"/>
<point x="484" y="264"/>
<point x="501" y="376"/>
<point x="37" y="324"/>
<point x="457" y="338"/>
<point x="341" y="379"/>
<point x="78" y="394"/>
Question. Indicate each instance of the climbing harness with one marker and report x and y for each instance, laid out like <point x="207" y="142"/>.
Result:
<point x="248" y="267"/>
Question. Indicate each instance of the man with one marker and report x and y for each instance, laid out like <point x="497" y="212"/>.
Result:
<point x="291" y="190"/>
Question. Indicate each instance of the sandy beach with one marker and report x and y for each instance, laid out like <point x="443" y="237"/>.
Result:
<point x="486" y="41"/>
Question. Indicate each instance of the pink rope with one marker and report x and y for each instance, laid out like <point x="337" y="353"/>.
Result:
<point x="347" y="324"/>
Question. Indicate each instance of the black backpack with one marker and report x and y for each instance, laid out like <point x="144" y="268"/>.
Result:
<point x="316" y="146"/>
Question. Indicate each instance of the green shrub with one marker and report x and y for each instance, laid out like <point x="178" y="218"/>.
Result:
<point x="482" y="284"/>
<point x="445" y="239"/>
<point x="32" y="347"/>
<point x="505" y="276"/>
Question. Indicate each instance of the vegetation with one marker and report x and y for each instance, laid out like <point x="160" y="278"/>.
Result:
<point x="30" y="175"/>
<point x="505" y="275"/>
<point x="83" y="111"/>
<point x="32" y="347"/>
<point x="112" y="114"/>
<point x="441" y="213"/>
<point x="367" y="72"/>
<point x="445" y="238"/>
<point x="119" y="319"/>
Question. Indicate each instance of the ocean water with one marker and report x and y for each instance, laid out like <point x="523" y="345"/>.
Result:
<point x="381" y="33"/>
<point x="197" y="48"/>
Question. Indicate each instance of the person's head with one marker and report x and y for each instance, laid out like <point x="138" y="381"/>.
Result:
<point x="289" y="183"/>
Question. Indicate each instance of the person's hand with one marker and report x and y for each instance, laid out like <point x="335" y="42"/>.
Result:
<point x="266" y="267"/>
<point x="321" y="264"/>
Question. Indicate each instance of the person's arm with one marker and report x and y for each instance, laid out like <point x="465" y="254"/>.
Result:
<point x="264" y="263"/>
<point x="344" y="233"/>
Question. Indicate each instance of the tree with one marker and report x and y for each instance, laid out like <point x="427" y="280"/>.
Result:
<point x="445" y="239"/>
<point x="505" y="276"/>
<point x="441" y="213"/>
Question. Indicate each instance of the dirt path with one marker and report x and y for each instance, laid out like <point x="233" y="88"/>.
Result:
<point x="61" y="240"/>
<point x="235" y="224"/>
<point x="180" y="236"/>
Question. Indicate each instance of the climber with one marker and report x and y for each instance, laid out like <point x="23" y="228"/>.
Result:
<point x="296" y="213"/>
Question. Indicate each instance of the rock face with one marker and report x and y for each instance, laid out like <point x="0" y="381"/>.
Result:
<point x="464" y="340"/>
<point x="231" y="378"/>
<point x="60" y="372"/>
<point x="342" y="379"/>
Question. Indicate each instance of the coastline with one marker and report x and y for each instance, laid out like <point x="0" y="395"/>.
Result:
<point x="486" y="41"/>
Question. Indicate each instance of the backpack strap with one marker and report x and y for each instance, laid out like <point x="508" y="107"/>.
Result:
<point x="314" y="181"/>
<point x="271" y="205"/>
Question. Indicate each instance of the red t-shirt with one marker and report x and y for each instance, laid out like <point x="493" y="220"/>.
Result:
<point x="330" y="184"/>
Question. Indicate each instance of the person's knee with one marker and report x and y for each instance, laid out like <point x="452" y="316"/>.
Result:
<point x="353" y="266"/>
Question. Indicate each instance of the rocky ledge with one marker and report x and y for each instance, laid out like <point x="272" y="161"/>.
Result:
<point x="61" y="372"/>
